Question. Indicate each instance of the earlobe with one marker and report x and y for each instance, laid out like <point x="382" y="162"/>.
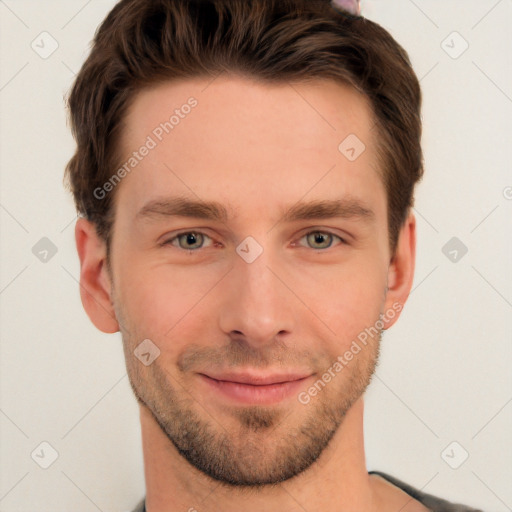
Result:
<point x="95" y="284"/>
<point x="401" y="271"/>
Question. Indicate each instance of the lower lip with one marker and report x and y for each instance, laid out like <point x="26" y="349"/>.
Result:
<point x="250" y="394"/>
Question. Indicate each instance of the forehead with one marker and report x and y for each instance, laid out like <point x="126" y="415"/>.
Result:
<point x="323" y="107"/>
<point x="235" y="139"/>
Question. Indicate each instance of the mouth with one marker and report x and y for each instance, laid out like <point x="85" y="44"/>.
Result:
<point x="255" y="388"/>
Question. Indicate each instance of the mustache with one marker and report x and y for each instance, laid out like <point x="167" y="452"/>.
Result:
<point x="240" y="353"/>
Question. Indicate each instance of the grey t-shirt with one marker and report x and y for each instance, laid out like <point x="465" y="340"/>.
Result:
<point x="431" y="502"/>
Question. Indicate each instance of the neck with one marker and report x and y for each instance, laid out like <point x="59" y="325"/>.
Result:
<point x="338" y="480"/>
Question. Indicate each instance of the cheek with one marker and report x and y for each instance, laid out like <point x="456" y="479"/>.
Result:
<point x="158" y="301"/>
<point x="352" y="302"/>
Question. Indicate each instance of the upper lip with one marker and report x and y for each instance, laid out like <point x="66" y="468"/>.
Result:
<point x="257" y="379"/>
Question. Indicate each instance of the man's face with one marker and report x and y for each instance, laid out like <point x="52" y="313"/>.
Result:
<point x="213" y="311"/>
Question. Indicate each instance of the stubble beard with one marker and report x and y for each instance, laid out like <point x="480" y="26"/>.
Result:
<point x="251" y="446"/>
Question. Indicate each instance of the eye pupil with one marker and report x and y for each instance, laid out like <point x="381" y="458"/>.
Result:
<point x="322" y="239"/>
<point x="189" y="240"/>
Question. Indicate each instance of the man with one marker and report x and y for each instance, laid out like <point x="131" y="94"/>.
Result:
<point x="245" y="175"/>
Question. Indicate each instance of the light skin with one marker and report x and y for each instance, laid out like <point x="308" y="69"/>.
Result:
<point x="258" y="150"/>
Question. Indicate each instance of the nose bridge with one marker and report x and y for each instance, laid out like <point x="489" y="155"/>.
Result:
<point x="258" y="304"/>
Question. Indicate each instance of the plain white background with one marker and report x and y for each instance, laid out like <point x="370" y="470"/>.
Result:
<point x="444" y="374"/>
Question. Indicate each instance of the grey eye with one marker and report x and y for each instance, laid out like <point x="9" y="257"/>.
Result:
<point x="190" y="240"/>
<point x="324" y="240"/>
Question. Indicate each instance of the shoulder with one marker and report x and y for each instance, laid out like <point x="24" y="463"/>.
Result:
<point x="141" y="507"/>
<point x="433" y="503"/>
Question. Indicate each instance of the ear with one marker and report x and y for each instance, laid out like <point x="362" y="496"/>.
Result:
<point x="95" y="282"/>
<point x="401" y="271"/>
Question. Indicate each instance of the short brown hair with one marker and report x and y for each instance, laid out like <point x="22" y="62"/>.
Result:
<point x="143" y="42"/>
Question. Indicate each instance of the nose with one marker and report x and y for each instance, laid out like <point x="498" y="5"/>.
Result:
<point x="257" y="303"/>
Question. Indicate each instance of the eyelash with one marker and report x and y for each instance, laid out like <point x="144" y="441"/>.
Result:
<point x="323" y="232"/>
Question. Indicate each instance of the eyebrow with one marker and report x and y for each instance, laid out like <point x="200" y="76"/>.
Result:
<point x="183" y="207"/>
<point x="347" y="208"/>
